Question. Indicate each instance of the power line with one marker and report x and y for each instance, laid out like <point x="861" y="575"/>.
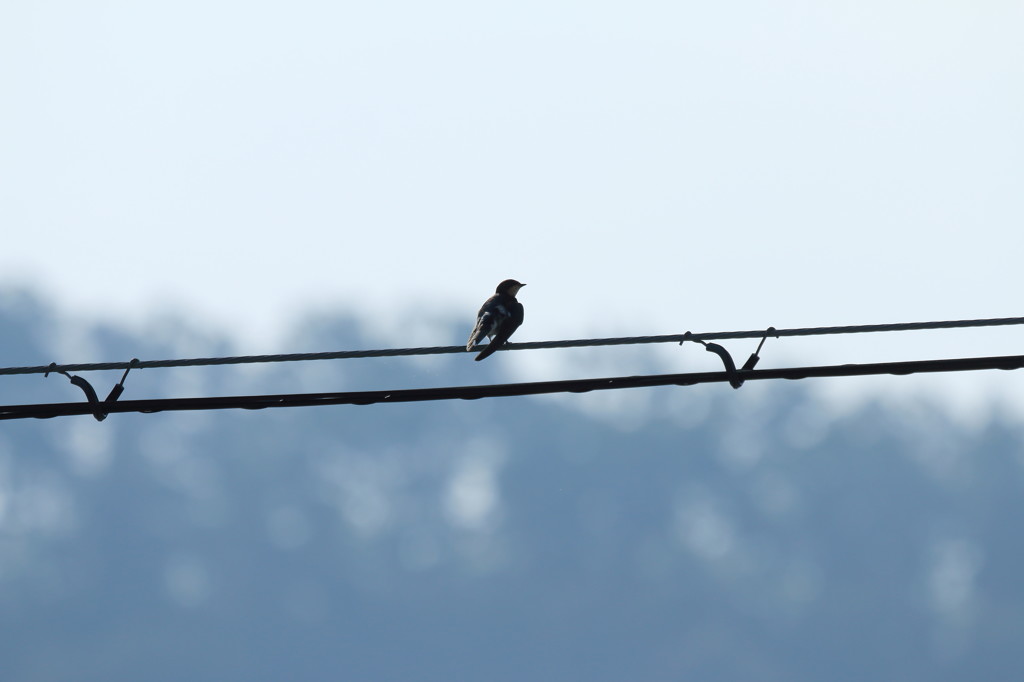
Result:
<point x="532" y="345"/>
<point x="256" y="402"/>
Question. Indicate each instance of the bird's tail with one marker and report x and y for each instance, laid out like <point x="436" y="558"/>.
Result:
<point x="491" y="347"/>
<point x="497" y="341"/>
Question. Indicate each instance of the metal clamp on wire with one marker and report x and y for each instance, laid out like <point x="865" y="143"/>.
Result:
<point x="90" y="392"/>
<point x="735" y="379"/>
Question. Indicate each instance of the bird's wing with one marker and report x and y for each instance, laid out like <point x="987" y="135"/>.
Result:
<point x="517" y="313"/>
<point x="479" y="331"/>
<point x="492" y="313"/>
<point x="511" y="321"/>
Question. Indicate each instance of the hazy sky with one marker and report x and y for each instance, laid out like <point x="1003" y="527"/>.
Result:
<point x="645" y="167"/>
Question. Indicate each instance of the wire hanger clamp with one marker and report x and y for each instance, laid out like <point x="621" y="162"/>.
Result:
<point x="735" y="377"/>
<point x="90" y="392"/>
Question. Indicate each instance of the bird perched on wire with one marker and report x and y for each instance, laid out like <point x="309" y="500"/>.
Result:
<point x="499" y="316"/>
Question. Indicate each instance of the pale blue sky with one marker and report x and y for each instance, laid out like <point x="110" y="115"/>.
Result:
<point x="646" y="167"/>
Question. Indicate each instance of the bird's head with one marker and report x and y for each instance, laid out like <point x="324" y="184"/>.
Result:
<point x="509" y="287"/>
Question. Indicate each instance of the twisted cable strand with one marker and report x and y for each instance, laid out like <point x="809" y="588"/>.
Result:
<point x="259" y="402"/>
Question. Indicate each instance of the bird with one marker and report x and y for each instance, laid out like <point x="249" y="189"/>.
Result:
<point x="499" y="317"/>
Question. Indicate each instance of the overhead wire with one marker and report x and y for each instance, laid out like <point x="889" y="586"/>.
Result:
<point x="530" y="345"/>
<point x="254" y="402"/>
<point x="736" y="377"/>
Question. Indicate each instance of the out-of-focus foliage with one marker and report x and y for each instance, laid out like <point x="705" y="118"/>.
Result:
<point x="680" y="533"/>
